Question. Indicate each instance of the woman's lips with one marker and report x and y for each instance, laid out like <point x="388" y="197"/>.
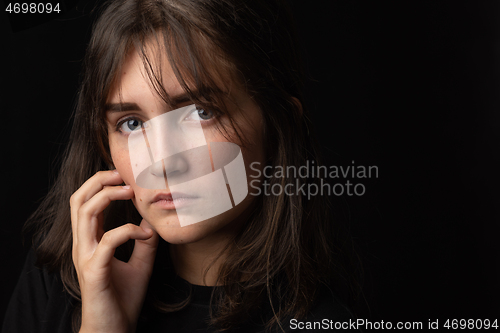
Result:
<point x="172" y="200"/>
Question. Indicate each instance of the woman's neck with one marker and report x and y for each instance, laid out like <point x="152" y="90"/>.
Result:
<point x="191" y="260"/>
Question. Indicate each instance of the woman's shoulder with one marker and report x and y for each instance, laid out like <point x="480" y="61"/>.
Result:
<point x="328" y="313"/>
<point x="38" y="278"/>
<point x="38" y="302"/>
<point x="328" y="304"/>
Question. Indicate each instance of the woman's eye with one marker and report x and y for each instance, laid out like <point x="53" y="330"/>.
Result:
<point x="200" y="114"/>
<point x="131" y="125"/>
<point x="204" y="114"/>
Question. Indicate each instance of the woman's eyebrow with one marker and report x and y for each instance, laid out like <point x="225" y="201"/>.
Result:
<point x="121" y="107"/>
<point x="179" y="99"/>
<point x="175" y="101"/>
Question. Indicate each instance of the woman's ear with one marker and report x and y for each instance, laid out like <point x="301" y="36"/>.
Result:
<point x="298" y="104"/>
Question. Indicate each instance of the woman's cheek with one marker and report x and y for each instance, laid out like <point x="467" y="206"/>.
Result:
<point x="121" y="160"/>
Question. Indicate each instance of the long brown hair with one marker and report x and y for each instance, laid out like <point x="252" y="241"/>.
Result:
<point x="291" y="245"/>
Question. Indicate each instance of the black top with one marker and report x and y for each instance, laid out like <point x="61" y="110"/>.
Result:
<point x="40" y="304"/>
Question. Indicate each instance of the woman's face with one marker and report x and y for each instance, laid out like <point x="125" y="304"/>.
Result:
<point x="131" y="103"/>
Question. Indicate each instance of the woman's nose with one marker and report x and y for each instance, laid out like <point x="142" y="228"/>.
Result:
<point x="157" y="169"/>
<point x="171" y="167"/>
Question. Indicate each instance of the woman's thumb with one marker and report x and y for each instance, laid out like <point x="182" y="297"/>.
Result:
<point x="143" y="256"/>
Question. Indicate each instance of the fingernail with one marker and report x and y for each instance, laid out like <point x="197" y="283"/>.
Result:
<point x="147" y="230"/>
<point x="126" y="187"/>
<point x="115" y="171"/>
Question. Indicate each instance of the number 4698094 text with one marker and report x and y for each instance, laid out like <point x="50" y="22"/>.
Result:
<point x="32" y="8"/>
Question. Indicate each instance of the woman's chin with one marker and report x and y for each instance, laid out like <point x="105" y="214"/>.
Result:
<point x="173" y="233"/>
<point x="169" y="228"/>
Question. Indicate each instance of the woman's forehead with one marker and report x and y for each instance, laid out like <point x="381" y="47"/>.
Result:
<point x="133" y="78"/>
<point x="150" y="70"/>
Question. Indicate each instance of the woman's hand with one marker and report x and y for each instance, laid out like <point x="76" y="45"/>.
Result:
<point x="112" y="291"/>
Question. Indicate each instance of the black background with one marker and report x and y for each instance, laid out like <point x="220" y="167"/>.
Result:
<point x="412" y="88"/>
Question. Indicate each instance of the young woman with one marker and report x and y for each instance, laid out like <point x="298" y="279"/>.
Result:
<point x="119" y="250"/>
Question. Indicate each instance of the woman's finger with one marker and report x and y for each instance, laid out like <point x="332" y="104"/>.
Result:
<point x="89" y="227"/>
<point x="113" y="238"/>
<point x="93" y="185"/>
<point x="143" y="256"/>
